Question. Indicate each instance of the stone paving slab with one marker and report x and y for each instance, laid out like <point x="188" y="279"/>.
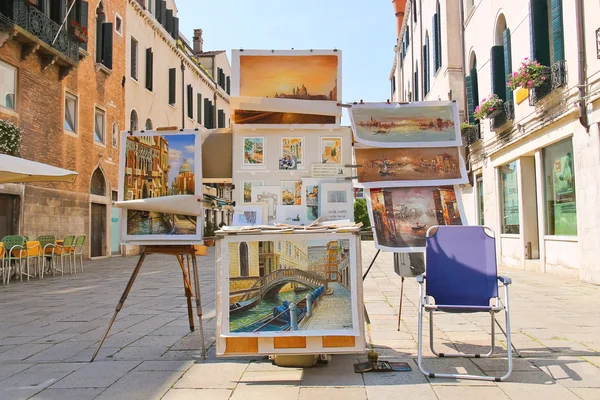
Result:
<point x="49" y="330"/>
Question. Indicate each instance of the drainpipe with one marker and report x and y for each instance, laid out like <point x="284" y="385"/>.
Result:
<point x="182" y="95"/>
<point x="464" y="56"/>
<point x="581" y="67"/>
<point x="421" y="50"/>
<point x="412" y="50"/>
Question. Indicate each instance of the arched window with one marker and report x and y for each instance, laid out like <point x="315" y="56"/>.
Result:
<point x="100" y="20"/>
<point x="500" y="60"/>
<point x="244" y="270"/>
<point x="133" y="121"/>
<point x="115" y="135"/>
<point x="148" y="126"/>
<point x="437" y="38"/>
<point x="98" y="183"/>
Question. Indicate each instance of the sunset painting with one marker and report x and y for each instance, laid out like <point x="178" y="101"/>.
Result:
<point x="414" y="125"/>
<point x="248" y="117"/>
<point x="311" y="77"/>
<point x="404" y="167"/>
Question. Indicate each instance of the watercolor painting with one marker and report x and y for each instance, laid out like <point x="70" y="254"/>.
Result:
<point x="157" y="166"/>
<point x="253" y="151"/>
<point x="311" y="192"/>
<point x="249" y="117"/>
<point x="312" y="77"/>
<point x="269" y="195"/>
<point x="247" y="195"/>
<point x="292" y="147"/>
<point x="296" y="286"/>
<point x="291" y="193"/>
<point x="331" y="150"/>
<point x="413" y="125"/>
<point x="402" y="215"/>
<point x="387" y="167"/>
<point x="291" y="215"/>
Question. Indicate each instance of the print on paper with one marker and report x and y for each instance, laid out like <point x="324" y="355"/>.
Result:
<point x="292" y="286"/>
<point x="269" y="195"/>
<point x="248" y="189"/>
<point x="401" y="216"/>
<point x="292" y="148"/>
<point x="253" y="151"/>
<point x="291" y="193"/>
<point x="291" y="215"/>
<point x="331" y="150"/>
<point x="337" y="202"/>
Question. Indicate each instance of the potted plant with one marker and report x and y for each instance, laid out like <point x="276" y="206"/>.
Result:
<point x="209" y="233"/>
<point x="489" y="107"/>
<point x="80" y="32"/>
<point x="530" y="75"/>
<point x="10" y="138"/>
<point x="469" y="132"/>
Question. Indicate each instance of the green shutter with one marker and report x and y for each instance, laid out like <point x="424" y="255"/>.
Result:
<point x="172" y="81"/>
<point x="199" y="106"/>
<point x="470" y="100"/>
<point x="497" y="71"/>
<point x="558" y="39"/>
<point x="507" y="62"/>
<point x="416" y="86"/>
<point x="82" y="17"/>
<point x="435" y="43"/>
<point x="439" y="34"/>
<point x="206" y="113"/>
<point x="190" y="101"/>
<point x="539" y="32"/>
<point x="107" y="44"/>
<point x="149" y="68"/>
<point x="475" y="85"/>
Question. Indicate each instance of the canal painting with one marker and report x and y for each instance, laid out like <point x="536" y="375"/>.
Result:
<point x="410" y="125"/>
<point x="300" y="77"/>
<point x="299" y="287"/>
<point x="159" y="166"/>
<point x="291" y="193"/>
<point x="401" y="216"/>
<point x="385" y="167"/>
<point x="291" y="148"/>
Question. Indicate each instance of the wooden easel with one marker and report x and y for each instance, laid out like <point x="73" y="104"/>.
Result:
<point x="183" y="253"/>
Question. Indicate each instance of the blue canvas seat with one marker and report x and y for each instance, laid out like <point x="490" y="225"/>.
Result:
<point x="461" y="276"/>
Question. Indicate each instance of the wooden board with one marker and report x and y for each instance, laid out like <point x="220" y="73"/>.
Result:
<point x="338" y="341"/>
<point x="289" y="342"/>
<point x="241" y="345"/>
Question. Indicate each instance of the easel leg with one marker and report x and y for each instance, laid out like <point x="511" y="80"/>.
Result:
<point x="122" y="300"/>
<point x="368" y="320"/>
<point x="198" y="301"/>
<point x="187" y="288"/>
<point x="400" y="309"/>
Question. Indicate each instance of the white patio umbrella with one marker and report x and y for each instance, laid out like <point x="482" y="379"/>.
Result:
<point x="16" y="170"/>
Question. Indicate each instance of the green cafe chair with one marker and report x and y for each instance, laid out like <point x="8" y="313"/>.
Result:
<point x="78" y="251"/>
<point x="49" y="246"/>
<point x="66" y="251"/>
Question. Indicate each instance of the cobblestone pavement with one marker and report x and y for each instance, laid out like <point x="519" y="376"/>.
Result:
<point x="49" y="329"/>
<point x="334" y="311"/>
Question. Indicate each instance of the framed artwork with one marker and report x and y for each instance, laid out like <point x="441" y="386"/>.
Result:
<point x="155" y="165"/>
<point x="417" y="124"/>
<point x="291" y="215"/>
<point x="247" y="190"/>
<point x="291" y="155"/>
<point x="269" y="195"/>
<point x="393" y="167"/>
<point x="253" y="151"/>
<point x="291" y="193"/>
<point x="305" y="285"/>
<point x="331" y="150"/>
<point x="250" y="214"/>
<point x="402" y="215"/>
<point x="336" y="202"/>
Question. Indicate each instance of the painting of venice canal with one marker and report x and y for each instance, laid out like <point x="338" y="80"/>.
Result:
<point x="286" y="286"/>
<point x="384" y="164"/>
<point x="401" y="216"/>
<point x="390" y="126"/>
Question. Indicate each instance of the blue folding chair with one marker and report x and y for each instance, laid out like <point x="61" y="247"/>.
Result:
<point x="461" y="276"/>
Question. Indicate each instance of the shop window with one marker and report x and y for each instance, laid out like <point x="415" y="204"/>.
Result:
<point x="559" y="179"/>
<point x="509" y="198"/>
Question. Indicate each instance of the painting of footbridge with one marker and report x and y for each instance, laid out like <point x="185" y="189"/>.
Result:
<point x="291" y="286"/>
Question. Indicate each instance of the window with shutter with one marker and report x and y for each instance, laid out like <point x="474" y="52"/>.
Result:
<point x="507" y="62"/>
<point x="221" y="119"/>
<point x="228" y="89"/>
<point x="199" y="106"/>
<point x="82" y="19"/>
<point x="470" y="100"/>
<point x="58" y="10"/>
<point x="439" y="34"/>
<point x="134" y="58"/>
<point x="539" y="31"/>
<point x="100" y="19"/>
<point x="190" y="101"/>
<point x="172" y="82"/>
<point x="107" y="44"/>
<point x="558" y="40"/>
<point x="175" y="33"/>
<point x="435" y="43"/>
<point x="207" y="113"/>
<point x="149" y="68"/>
<point x="426" y="67"/>
<point x="498" y="78"/>
<point x="163" y="12"/>
<point x="169" y="22"/>
<point x="414" y="11"/>
<point x="416" y="83"/>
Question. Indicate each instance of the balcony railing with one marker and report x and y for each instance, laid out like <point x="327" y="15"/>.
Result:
<point x="35" y="22"/>
<point x="556" y="76"/>
<point x="506" y="114"/>
<point x="471" y="135"/>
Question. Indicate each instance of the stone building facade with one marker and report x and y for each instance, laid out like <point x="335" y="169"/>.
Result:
<point x="69" y="100"/>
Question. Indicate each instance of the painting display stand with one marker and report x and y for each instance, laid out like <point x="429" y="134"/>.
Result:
<point x="183" y="253"/>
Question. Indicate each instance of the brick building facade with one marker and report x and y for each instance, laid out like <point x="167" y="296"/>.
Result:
<point x="69" y="101"/>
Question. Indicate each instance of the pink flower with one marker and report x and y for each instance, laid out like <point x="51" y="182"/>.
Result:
<point x="543" y="78"/>
<point x="514" y="74"/>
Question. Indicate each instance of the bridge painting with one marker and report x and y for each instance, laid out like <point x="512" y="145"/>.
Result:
<point x="298" y="279"/>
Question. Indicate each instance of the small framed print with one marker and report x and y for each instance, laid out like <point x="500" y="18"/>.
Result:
<point x="292" y="148"/>
<point x="331" y="150"/>
<point x="291" y="193"/>
<point x="247" y="192"/>
<point x="253" y="151"/>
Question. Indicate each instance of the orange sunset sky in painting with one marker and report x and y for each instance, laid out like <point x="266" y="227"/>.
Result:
<point x="264" y="76"/>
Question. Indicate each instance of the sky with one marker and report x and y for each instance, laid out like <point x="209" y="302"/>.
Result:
<point x="180" y="147"/>
<point x="365" y="31"/>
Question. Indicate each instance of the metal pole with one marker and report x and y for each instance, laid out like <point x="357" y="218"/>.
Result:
<point x="122" y="300"/>
<point x="401" y="296"/>
<point x="198" y="300"/>
<point x="64" y="22"/>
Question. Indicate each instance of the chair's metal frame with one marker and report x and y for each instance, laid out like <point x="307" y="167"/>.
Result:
<point x="79" y="252"/>
<point x="425" y="305"/>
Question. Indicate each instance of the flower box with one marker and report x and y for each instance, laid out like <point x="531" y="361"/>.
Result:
<point x="489" y="107"/>
<point x="80" y="33"/>
<point x="495" y="113"/>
